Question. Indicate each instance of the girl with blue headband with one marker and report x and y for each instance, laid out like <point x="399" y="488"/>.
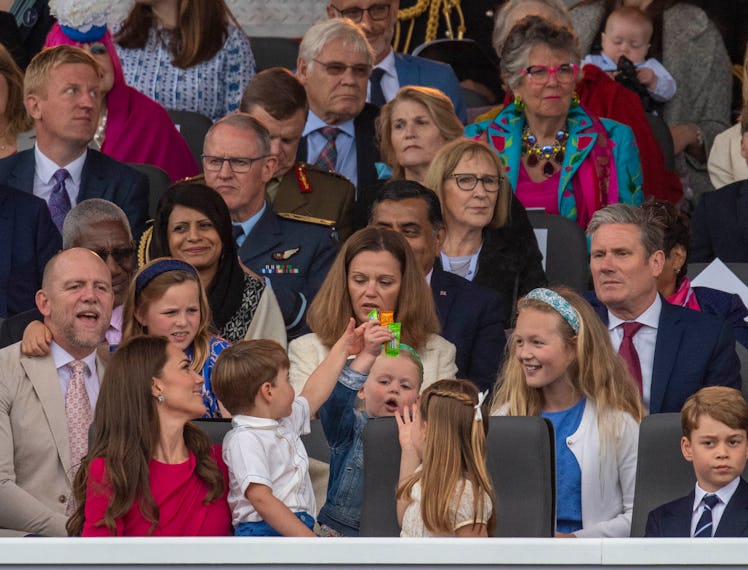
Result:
<point x="562" y="366"/>
<point x="167" y="299"/>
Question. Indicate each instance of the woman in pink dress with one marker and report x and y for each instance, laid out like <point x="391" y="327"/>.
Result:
<point x="149" y="471"/>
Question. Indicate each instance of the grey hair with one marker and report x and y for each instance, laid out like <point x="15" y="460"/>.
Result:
<point x="528" y="33"/>
<point x="320" y="34"/>
<point x="504" y="17"/>
<point x="651" y="230"/>
<point x="245" y="122"/>
<point x="87" y="212"/>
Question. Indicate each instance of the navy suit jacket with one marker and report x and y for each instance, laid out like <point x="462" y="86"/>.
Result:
<point x="367" y="151"/>
<point x="673" y="519"/>
<point x="103" y="177"/>
<point x="296" y="257"/>
<point x="470" y="317"/>
<point x="28" y="240"/>
<point x="693" y="349"/>
<point x="720" y="226"/>
<point x="414" y="70"/>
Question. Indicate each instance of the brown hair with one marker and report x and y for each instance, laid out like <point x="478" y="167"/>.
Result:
<point x="438" y="106"/>
<point x="241" y="369"/>
<point x="332" y="308"/>
<point x="445" y="162"/>
<point x="201" y="30"/>
<point x="37" y="72"/>
<point x="138" y="301"/>
<point x="277" y="91"/>
<point x="454" y="454"/>
<point x="17" y="121"/>
<point x="720" y="403"/>
<point x="126" y="429"/>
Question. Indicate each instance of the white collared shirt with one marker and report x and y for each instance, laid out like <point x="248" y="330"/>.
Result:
<point x="389" y="82"/>
<point x="62" y="358"/>
<point x="724" y="494"/>
<point x="269" y="452"/>
<point x="44" y="173"/>
<point x="644" y="342"/>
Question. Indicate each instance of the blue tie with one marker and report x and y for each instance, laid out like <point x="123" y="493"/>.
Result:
<point x="59" y="201"/>
<point x="236" y="231"/>
<point x="704" y="528"/>
<point x="376" y="93"/>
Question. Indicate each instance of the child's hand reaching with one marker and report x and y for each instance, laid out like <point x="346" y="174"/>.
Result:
<point x="36" y="339"/>
<point x="372" y="336"/>
<point x="407" y="423"/>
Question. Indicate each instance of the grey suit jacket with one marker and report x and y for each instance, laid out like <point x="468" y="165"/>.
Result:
<point x="35" y="472"/>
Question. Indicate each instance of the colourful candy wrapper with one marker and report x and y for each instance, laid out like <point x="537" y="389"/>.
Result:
<point x="373" y="315"/>
<point x="392" y="348"/>
<point x="387" y="317"/>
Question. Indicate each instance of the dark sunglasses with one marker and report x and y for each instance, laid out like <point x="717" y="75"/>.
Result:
<point x="122" y="256"/>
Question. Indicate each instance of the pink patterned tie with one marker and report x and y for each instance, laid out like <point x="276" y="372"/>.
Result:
<point x="78" y="411"/>
<point x="627" y="350"/>
<point x="329" y="155"/>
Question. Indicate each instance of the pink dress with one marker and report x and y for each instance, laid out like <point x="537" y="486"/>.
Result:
<point x="179" y="494"/>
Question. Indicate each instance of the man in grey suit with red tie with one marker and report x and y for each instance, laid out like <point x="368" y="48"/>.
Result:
<point x="46" y="403"/>
<point x="671" y="351"/>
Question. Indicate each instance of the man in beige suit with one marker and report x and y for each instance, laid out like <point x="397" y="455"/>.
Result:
<point x="36" y="461"/>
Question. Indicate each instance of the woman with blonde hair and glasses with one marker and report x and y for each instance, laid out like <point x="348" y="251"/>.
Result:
<point x="558" y="156"/>
<point x="488" y="237"/>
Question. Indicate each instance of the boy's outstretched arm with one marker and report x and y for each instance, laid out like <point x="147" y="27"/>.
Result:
<point x="367" y="337"/>
<point x="274" y="512"/>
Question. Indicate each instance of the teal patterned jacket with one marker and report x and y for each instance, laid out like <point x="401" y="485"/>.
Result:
<point x="578" y="173"/>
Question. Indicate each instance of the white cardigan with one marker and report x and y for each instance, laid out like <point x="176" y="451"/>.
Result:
<point x="726" y="163"/>
<point x="607" y="487"/>
<point x="307" y="352"/>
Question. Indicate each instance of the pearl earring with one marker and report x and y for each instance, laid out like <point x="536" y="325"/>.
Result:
<point x="161" y="398"/>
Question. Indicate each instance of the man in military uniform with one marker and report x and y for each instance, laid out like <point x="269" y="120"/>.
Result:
<point x="293" y="256"/>
<point x="279" y="101"/>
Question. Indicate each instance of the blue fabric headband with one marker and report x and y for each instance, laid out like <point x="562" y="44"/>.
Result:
<point x="559" y="304"/>
<point x="94" y="34"/>
<point x="162" y="266"/>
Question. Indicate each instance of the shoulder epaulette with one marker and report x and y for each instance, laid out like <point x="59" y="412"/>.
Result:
<point x="307" y="219"/>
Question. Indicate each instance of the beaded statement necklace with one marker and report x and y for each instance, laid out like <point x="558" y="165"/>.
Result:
<point x="535" y="152"/>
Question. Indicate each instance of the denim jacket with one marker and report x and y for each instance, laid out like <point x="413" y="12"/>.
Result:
<point x="344" y="428"/>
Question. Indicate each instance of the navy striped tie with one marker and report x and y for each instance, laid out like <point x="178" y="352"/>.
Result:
<point x="704" y="528"/>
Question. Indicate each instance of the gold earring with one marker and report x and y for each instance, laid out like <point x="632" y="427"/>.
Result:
<point x="519" y="103"/>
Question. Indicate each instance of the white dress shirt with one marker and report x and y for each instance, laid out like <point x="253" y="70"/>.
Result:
<point x="44" y="180"/>
<point x="724" y="494"/>
<point x="644" y="342"/>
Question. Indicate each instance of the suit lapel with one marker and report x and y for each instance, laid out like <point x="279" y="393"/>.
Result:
<point x="405" y="72"/>
<point x="22" y="175"/>
<point x="734" y="521"/>
<point x="443" y="294"/>
<point x="42" y="374"/>
<point x="669" y="333"/>
<point x="676" y="522"/>
<point x="263" y="237"/>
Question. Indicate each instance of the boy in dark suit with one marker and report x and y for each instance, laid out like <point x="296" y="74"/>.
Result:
<point x="715" y="440"/>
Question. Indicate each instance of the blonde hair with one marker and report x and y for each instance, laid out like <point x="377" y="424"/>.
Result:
<point x="332" y="306"/>
<point x="37" y="72"/>
<point x="155" y="289"/>
<point x="438" y="106"/>
<point x="597" y="372"/>
<point x="16" y="118"/>
<point x="444" y="165"/>
<point x="454" y="453"/>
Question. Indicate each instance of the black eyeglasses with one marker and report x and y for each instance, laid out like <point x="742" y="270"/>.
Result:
<point x="376" y="12"/>
<point x="359" y="70"/>
<point x="122" y="256"/>
<point x="468" y="182"/>
<point x="238" y="164"/>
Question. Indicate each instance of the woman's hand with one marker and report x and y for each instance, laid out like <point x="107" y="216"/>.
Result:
<point x="36" y="339"/>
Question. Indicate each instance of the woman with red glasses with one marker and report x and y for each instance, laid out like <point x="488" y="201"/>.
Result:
<point x="557" y="156"/>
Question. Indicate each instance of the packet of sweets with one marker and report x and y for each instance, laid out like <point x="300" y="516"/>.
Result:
<point x="386" y="318"/>
<point x="373" y="315"/>
<point x="392" y="348"/>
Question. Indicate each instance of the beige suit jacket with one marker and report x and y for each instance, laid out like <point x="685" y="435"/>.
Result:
<point x="35" y="472"/>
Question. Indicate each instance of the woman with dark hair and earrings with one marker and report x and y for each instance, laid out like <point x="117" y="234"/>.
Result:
<point x="557" y="156"/>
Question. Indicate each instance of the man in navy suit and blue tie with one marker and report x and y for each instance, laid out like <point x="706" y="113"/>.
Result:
<point x="392" y="70"/>
<point x="62" y="96"/>
<point x="672" y="352"/>
<point x="470" y="315"/>
<point x="715" y="440"/>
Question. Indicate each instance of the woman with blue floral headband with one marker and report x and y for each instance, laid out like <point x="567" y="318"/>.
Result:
<point x="167" y="299"/>
<point x="562" y="366"/>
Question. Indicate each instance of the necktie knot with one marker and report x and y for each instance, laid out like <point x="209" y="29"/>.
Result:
<point x="61" y="175"/>
<point x="78" y="367"/>
<point x="710" y="501"/>
<point x="236" y="231"/>
<point x="630" y="329"/>
<point x="330" y="133"/>
<point x="376" y="74"/>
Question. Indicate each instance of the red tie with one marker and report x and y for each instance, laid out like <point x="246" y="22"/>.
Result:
<point x="627" y="350"/>
<point x="328" y="157"/>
